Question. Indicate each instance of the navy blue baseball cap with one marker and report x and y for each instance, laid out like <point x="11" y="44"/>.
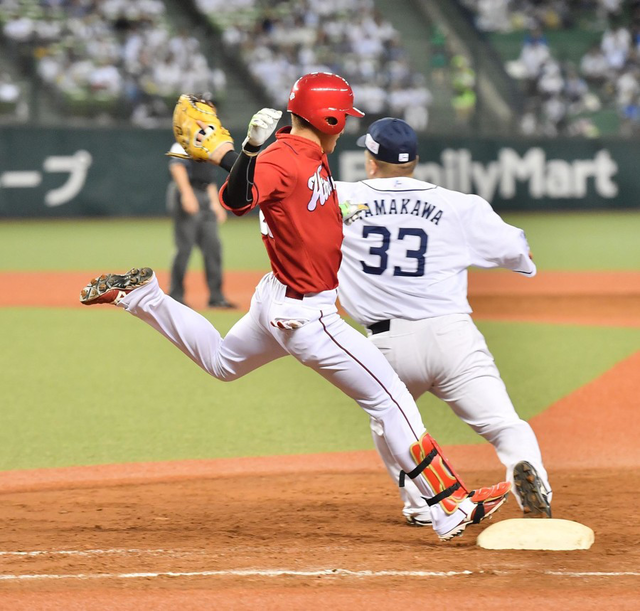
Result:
<point x="391" y="140"/>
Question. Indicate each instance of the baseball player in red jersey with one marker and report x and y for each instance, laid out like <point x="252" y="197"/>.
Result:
<point x="293" y="310"/>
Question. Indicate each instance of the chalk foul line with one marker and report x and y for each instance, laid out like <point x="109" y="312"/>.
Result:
<point x="297" y="573"/>
<point x="92" y="552"/>
<point x="243" y="573"/>
<point x="249" y="572"/>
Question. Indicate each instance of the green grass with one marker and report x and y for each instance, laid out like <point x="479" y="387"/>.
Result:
<point x="595" y="241"/>
<point x="97" y="386"/>
<point x="117" y="244"/>
<point x="539" y="364"/>
<point x="93" y="386"/>
<point x="560" y="241"/>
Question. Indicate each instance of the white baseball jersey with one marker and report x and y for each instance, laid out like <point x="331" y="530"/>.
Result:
<point x="406" y="261"/>
<point x="415" y="244"/>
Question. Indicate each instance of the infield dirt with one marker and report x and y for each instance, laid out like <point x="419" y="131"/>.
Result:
<point x="598" y="298"/>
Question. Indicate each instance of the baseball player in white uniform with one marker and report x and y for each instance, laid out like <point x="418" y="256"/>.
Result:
<point x="404" y="277"/>
<point x="293" y="309"/>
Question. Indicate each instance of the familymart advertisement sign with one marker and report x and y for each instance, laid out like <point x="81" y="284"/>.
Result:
<point x="523" y="175"/>
<point x="120" y="172"/>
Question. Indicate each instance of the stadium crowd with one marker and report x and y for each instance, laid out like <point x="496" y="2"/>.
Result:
<point x="120" y="53"/>
<point x="126" y="59"/>
<point x="281" y="40"/>
<point x="563" y="96"/>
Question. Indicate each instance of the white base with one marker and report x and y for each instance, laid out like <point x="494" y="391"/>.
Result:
<point x="536" y="534"/>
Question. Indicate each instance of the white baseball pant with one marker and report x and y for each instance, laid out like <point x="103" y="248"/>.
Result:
<point x="322" y="341"/>
<point x="449" y="357"/>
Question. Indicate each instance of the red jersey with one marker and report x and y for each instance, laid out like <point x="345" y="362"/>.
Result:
<point x="295" y="192"/>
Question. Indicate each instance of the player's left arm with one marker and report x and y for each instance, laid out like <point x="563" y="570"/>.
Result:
<point x="492" y="242"/>
<point x="350" y="206"/>
<point x="238" y="192"/>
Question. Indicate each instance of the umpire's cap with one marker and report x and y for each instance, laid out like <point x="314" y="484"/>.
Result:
<point x="391" y="140"/>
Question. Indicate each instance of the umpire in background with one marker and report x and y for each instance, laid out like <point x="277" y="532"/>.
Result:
<point x="192" y="200"/>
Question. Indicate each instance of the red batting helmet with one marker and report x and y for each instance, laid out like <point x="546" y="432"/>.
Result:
<point x="324" y="100"/>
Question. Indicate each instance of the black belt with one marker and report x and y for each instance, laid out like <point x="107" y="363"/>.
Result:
<point x="380" y="327"/>
<point x="293" y="294"/>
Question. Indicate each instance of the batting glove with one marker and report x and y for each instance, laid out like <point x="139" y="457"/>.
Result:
<point x="352" y="212"/>
<point x="261" y="126"/>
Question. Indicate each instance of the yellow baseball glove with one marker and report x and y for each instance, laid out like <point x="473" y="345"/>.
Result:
<point x="197" y="141"/>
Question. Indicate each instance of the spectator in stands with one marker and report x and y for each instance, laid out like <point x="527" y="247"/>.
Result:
<point x="554" y="114"/>
<point x="575" y="91"/>
<point x="492" y="15"/>
<point x="183" y="47"/>
<point x="529" y="120"/>
<point x="550" y="81"/>
<point x="610" y="9"/>
<point x="594" y="66"/>
<point x="616" y="44"/>
<point x="438" y="53"/>
<point x="583" y="127"/>
<point x="534" y="55"/>
<point x="412" y="104"/>
<point x="19" y="29"/>
<point x="150" y="111"/>
<point x="630" y="117"/>
<point x="105" y="79"/>
<point x="627" y="88"/>
<point x="166" y="75"/>
<point x="463" y="83"/>
<point x="9" y="96"/>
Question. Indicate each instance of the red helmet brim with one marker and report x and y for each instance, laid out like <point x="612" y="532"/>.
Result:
<point x="354" y="112"/>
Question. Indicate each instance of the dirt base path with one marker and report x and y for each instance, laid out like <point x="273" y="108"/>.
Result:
<point x="281" y="542"/>
<point x="600" y="298"/>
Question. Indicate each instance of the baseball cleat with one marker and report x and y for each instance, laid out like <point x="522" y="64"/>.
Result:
<point x="111" y="288"/>
<point x="421" y="521"/>
<point x="531" y="491"/>
<point x="492" y="499"/>
<point x="492" y="492"/>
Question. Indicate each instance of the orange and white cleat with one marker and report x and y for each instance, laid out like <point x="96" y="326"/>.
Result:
<point x="486" y="502"/>
<point x="112" y="288"/>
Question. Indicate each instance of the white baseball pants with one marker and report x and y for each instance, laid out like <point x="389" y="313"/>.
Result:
<point x="322" y="341"/>
<point x="449" y="357"/>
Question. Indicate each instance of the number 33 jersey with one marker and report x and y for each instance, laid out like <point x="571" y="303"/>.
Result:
<point x="407" y="256"/>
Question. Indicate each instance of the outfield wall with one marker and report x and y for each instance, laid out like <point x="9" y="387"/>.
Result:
<point x="57" y="172"/>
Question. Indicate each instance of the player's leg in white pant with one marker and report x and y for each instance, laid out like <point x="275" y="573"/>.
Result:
<point x="246" y="347"/>
<point x="471" y="385"/>
<point x="414" y="505"/>
<point x="449" y="357"/>
<point x="347" y="359"/>
<point x="400" y="348"/>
